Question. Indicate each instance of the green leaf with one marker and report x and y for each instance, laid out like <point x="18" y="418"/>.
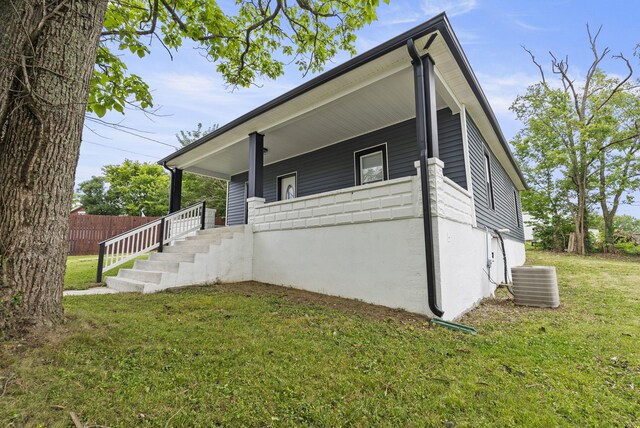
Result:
<point x="99" y="109"/>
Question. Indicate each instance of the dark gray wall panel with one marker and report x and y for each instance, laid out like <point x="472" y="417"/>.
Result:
<point x="451" y="149"/>
<point x="505" y="215"/>
<point x="236" y="200"/>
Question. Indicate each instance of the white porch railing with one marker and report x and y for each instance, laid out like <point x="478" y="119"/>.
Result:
<point x="141" y="240"/>
<point x="394" y="199"/>
<point x="183" y="222"/>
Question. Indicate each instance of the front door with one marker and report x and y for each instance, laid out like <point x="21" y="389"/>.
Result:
<point x="287" y="187"/>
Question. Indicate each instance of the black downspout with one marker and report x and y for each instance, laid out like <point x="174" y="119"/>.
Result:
<point x="424" y="133"/>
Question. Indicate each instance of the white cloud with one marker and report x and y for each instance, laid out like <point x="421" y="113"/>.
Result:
<point x="468" y="37"/>
<point x="452" y="7"/>
<point x="198" y="92"/>
<point x="522" y="24"/>
<point x="502" y="90"/>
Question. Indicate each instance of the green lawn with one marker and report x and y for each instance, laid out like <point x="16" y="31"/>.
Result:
<point x="81" y="272"/>
<point x="254" y="355"/>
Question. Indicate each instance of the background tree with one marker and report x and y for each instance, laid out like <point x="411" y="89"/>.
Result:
<point x="196" y="188"/>
<point x="138" y="188"/>
<point x="618" y="169"/>
<point x="93" y="196"/>
<point x="575" y="124"/>
<point x="48" y="50"/>
<point x="131" y="188"/>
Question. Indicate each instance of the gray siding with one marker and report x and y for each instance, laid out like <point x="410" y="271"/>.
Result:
<point x="332" y="167"/>
<point x="505" y="215"/>
<point x="451" y="150"/>
<point x="236" y="201"/>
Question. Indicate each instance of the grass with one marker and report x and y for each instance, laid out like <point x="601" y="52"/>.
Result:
<point x="81" y="272"/>
<point x="255" y="355"/>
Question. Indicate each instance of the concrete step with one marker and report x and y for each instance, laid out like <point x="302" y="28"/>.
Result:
<point x="203" y="238"/>
<point x="187" y="248"/>
<point x="156" y="265"/>
<point x="172" y="257"/>
<point x="124" y="284"/>
<point x="148" y="276"/>
<point x="200" y="239"/>
<point x="217" y="230"/>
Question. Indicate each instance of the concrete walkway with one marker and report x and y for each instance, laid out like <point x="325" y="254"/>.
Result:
<point x="90" y="291"/>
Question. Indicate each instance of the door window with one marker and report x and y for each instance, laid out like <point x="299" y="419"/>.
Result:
<point x="287" y="186"/>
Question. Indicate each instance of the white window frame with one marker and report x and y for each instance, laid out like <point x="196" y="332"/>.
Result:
<point x="357" y="163"/>
<point x="488" y="178"/>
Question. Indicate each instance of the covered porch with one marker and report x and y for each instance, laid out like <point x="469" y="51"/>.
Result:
<point x="365" y="121"/>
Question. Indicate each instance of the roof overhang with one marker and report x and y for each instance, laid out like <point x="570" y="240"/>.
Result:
<point x="368" y="92"/>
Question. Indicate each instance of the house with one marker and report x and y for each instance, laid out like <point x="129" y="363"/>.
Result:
<point x="386" y="179"/>
<point x="79" y="210"/>
<point x="529" y="225"/>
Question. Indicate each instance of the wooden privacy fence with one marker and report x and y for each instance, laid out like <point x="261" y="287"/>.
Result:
<point x="87" y="231"/>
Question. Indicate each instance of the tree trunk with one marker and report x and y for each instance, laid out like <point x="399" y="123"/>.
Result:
<point x="46" y="63"/>
<point x="581" y="231"/>
<point x="609" y="231"/>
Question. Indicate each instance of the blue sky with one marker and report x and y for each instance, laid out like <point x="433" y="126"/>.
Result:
<point x="188" y="90"/>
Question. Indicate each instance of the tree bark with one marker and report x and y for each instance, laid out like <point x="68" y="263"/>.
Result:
<point x="47" y="55"/>
<point x="581" y="230"/>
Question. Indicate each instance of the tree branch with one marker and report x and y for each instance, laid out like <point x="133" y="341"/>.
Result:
<point x="533" y="59"/>
<point x="618" y="86"/>
<point x="247" y="39"/>
<point x="561" y="68"/>
<point x="153" y="17"/>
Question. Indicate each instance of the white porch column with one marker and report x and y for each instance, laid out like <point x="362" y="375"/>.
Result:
<point x="436" y="183"/>
<point x="252" y="204"/>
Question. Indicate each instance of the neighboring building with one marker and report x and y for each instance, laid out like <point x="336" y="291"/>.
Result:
<point x="79" y="210"/>
<point x="529" y="223"/>
<point x="327" y="185"/>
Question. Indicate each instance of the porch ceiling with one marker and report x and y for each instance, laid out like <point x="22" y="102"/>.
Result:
<point x="385" y="102"/>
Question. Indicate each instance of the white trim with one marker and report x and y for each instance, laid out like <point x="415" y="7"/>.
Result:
<point x="206" y="173"/>
<point x="456" y="186"/>
<point x="447" y="94"/>
<point x="343" y="190"/>
<point x="355" y="162"/>
<point x="467" y="157"/>
<point x="488" y="178"/>
<point x="294" y="173"/>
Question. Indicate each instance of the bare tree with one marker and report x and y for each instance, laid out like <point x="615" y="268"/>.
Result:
<point x="580" y="122"/>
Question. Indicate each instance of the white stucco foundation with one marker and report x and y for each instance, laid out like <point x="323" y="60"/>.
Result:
<point x="381" y="262"/>
<point x="462" y="249"/>
<point x="367" y="243"/>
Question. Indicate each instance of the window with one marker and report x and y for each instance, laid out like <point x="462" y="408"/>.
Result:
<point x="489" y="182"/>
<point x="371" y="165"/>
<point x="515" y="200"/>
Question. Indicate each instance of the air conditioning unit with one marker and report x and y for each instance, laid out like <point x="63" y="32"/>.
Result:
<point x="535" y="286"/>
